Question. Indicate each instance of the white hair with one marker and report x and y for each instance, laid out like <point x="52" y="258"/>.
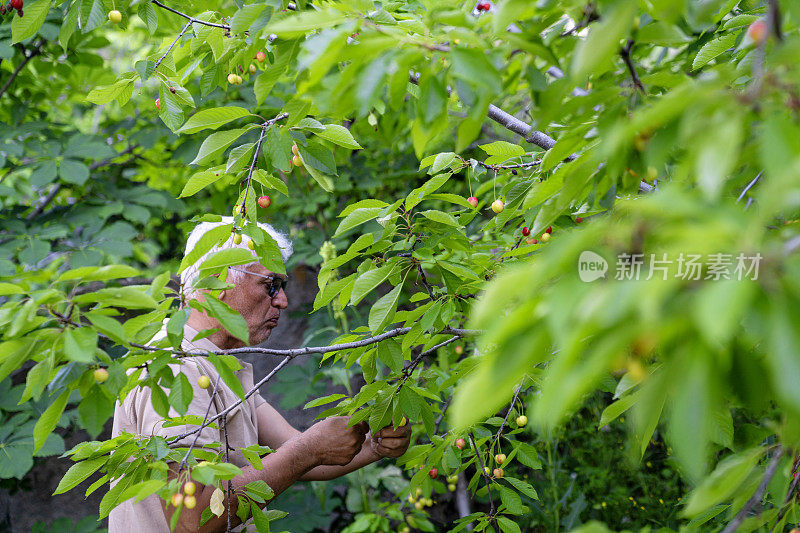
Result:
<point x="189" y="275"/>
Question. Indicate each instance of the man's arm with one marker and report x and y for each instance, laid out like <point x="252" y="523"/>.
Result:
<point x="329" y="442"/>
<point x="274" y="430"/>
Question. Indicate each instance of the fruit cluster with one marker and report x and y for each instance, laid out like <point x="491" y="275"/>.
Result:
<point x="187" y="498"/>
<point x="483" y="6"/>
<point x="12" y="5"/>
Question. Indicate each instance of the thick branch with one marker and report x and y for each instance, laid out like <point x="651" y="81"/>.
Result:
<point x="37" y="49"/>
<point x="755" y="499"/>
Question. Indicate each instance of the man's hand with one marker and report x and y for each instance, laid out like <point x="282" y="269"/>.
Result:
<point x="332" y="442"/>
<point x="391" y="442"/>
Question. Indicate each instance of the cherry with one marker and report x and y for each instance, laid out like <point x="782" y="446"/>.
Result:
<point x="545" y="237"/>
<point x="500" y="458"/>
<point x="253" y="69"/>
<point x="177" y="499"/>
<point x="190" y="501"/>
<point x="264" y="201"/>
<point x="758" y="31"/>
<point x="459" y="349"/>
<point x="158" y="104"/>
<point x="296" y="161"/>
<point x="251" y="245"/>
<point x="472" y="201"/>
<point x="16" y="4"/>
<point x="101" y="375"/>
<point x="526" y="231"/>
<point x="522" y="420"/>
<point x="451" y="487"/>
<point x="460" y="444"/>
<point x="433" y="473"/>
<point x="549" y="229"/>
<point x="260" y="56"/>
<point x="531" y="241"/>
<point x="579" y="220"/>
<point x="498" y="206"/>
<point x="203" y="381"/>
<point x="483" y="6"/>
<point x="189" y="488"/>
<point x="295" y="150"/>
<point x="232" y="78"/>
<point x="172" y="90"/>
<point x="498" y="473"/>
<point x="114" y="16"/>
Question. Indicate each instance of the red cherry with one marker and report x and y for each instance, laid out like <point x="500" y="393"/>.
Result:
<point x="460" y="444"/>
<point x="16" y="4"/>
<point x="526" y="231"/>
<point x="472" y="201"/>
<point x="549" y="229"/>
<point x="264" y="201"/>
<point x="433" y="473"/>
<point x="158" y="104"/>
<point x="578" y="220"/>
<point x="758" y="31"/>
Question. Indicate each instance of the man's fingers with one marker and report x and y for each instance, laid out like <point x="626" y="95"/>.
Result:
<point x="389" y="445"/>
<point x="389" y="431"/>
<point x="362" y="427"/>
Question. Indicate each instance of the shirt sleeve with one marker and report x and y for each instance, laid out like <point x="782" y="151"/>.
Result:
<point x="149" y="422"/>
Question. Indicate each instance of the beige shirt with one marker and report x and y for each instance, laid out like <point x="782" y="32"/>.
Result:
<point x="136" y="415"/>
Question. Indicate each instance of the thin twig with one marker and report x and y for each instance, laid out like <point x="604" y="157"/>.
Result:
<point x="410" y="368"/>
<point x="506" y="167"/>
<point x="749" y="186"/>
<point x="171" y="46"/>
<point x="233" y="405"/>
<point x="253" y="166"/>
<point x="191" y="19"/>
<point x="510" y="408"/>
<point x="755" y="499"/>
<point x="182" y="464"/>
<point x="626" y="56"/>
<point x="483" y="471"/>
<point x="37" y="49"/>
<point x="224" y="426"/>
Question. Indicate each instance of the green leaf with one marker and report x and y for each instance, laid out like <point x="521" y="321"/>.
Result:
<point x="209" y="239"/>
<point x="215" y="144"/>
<point x="473" y="66"/>
<point x="503" y="149"/>
<point x="78" y="473"/>
<point x="268" y="180"/>
<point x="131" y="297"/>
<point x="284" y="52"/>
<point x="47" y="422"/>
<point x="212" y="118"/>
<point x="714" y="48"/>
<point x="338" y="135"/>
<point x="723" y="482"/>
<point x="367" y="282"/>
<point x="200" y="180"/>
<point x="28" y="25"/>
<point x="7" y="289"/>
<point x="103" y="273"/>
<point x="80" y="344"/>
<point x="304" y="21"/>
<point x="225" y="258"/>
<point x="441" y="217"/>
<point x="356" y="218"/>
<point x="181" y="393"/>
<point x="230" y="319"/>
<point x="593" y="55"/>
<point x="227" y="375"/>
<point x="72" y="171"/>
<point x="382" y="312"/>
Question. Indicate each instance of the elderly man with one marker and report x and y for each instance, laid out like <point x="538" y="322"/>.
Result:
<point x="326" y="450"/>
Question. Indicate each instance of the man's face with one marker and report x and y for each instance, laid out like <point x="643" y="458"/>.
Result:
<point x="251" y="298"/>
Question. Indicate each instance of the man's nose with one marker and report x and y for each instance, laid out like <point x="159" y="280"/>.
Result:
<point x="280" y="300"/>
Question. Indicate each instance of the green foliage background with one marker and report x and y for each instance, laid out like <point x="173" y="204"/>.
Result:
<point x="653" y="127"/>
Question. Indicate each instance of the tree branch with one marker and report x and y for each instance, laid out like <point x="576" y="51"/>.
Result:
<point x="626" y="56"/>
<point x="755" y="499"/>
<point x="774" y="15"/>
<point x="190" y="19"/>
<point x="37" y="50"/>
<point x="171" y="46"/>
<point x="483" y="471"/>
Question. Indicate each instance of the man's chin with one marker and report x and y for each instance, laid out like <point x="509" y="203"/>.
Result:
<point x="262" y="336"/>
